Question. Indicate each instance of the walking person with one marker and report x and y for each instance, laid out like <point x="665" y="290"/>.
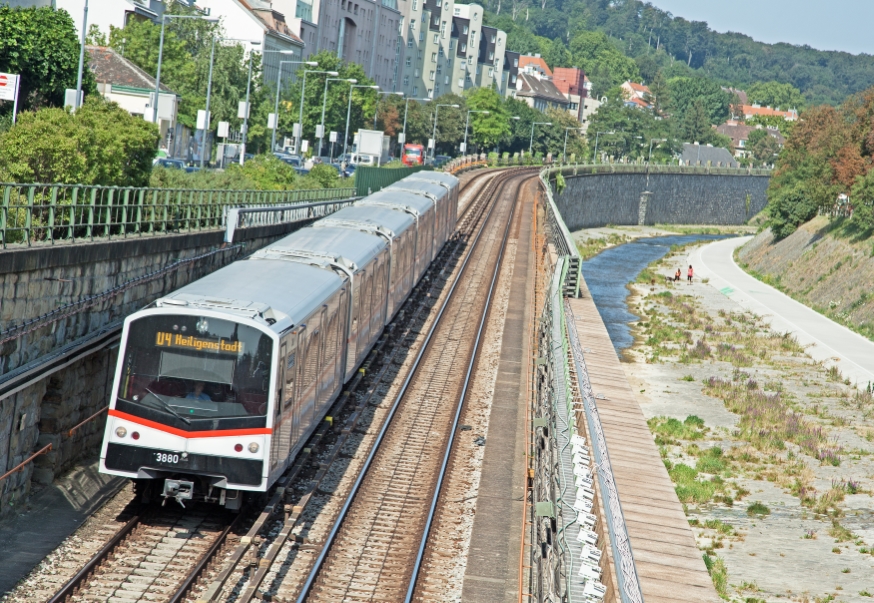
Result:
<point x="690" y="274"/>
<point x="677" y="275"/>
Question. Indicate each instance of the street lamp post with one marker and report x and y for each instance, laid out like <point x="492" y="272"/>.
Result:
<point x="349" y="113"/>
<point x="467" y="123"/>
<point x="406" y="108"/>
<point x="595" y="157"/>
<point x="276" y="101"/>
<point x="208" y="94"/>
<point x="376" y="110"/>
<point x="564" y="153"/>
<point x="164" y="18"/>
<point x="434" y="132"/>
<point x="649" y="160"/>
<point x="325" y="103"/>
<point x="531" y="141"/>
<point x="246" y="114"/>
<point x="77" y="103"/>
<point x="299" y="141"/>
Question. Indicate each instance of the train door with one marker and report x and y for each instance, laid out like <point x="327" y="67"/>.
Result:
<point x="365" y="308"/>
<point x="322" y="372"/>
<point x="342" y="321"/>
<point x="275" y="441"/>
<point x="289" y="368"/>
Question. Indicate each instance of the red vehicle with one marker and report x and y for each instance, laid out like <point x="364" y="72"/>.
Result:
<point x="414" y="154"/>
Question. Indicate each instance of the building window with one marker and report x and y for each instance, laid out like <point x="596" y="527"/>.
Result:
<point x="410" y="43"/>
<point x="463" y="47"/>
<point x="446" y="80"/>
<point x="438" y="69"/>
<point x="443" y="27"/>
<point x="461" y="82"/>
<point x="436" y="38"/>
<point x="406" y="80"/>
<point x="421" y="36"/>
<point x="430" y="93"/>
<point x="457" y="11"/>
<point x="515" y="62"/>
<point x="409" y="59"/>
<point x="464" y="29"/>
<point x="491" y="56"/>
<point x="415" y="90"/>
<point x="431" y="76"/>
<point x="451" y="44"/>
<point x="416" y="73"/>
<point x="491" y="72"/>
<point x="493" y="38"/>
<point x="437" y="90"/>
<point x="412" y="26"/>
<point x="513" y="79"/>
<point x="415" y="4"/>
<point x="433" y="57"/>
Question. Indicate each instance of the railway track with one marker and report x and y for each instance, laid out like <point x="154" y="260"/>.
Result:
<point x="160" y="556"/>
<point x="375" y="549"/>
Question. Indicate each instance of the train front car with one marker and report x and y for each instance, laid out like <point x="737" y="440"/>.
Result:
<point x="190" y="405"/>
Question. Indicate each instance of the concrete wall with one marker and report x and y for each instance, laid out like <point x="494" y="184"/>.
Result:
<point x="599" y="199"/>
<point x="38" y="280"/>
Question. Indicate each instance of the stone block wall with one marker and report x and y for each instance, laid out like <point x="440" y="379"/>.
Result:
<point x="38" y="280"/>
<point x="591" y="200"/>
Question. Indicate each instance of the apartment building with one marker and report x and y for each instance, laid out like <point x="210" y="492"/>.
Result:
<point x="446" y="48"/>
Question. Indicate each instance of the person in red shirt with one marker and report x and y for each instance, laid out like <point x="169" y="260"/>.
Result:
<point x="689" y="274"/>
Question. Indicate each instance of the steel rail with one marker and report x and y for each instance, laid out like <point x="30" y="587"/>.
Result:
<point x="474" y="356"/>
<point x="335" y="528"/>
<point x="69" y="589"/>
<point x="215" y="587"/>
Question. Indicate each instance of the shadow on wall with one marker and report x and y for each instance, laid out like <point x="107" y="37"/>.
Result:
<point x="599" y="199"/>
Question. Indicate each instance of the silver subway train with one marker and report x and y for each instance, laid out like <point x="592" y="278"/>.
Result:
<point x="219" y="384"/>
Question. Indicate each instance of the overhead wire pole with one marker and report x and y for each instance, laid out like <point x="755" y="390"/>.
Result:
<point x="208" y="93"/>
<point x="467" y="124"/>
<point x="531" y="141"/>
<point x="246" y="114"/>
<point x="434" y="131"/>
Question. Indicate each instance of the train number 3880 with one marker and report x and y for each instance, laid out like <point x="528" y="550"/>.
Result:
<point x="162" y="457"/>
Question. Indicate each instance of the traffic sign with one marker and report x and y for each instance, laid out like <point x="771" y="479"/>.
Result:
<point x="8" y="86"/>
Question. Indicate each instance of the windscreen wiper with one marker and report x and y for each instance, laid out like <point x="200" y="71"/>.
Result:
<point x="168" y="407"/>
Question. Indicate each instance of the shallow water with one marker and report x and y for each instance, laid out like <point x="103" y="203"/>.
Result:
<point x="608" y="273"/>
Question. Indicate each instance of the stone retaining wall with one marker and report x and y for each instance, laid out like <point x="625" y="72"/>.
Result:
<point x="38" y="280"/>
<point x="592" y="200"/>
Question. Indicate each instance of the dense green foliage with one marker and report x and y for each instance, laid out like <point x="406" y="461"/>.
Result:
<point x="658" y="40"/>
<point x="99" y="144"/>
<point x="262" y="172"/>
<point x="830" y="152"/>
<point x="40" y="44"/>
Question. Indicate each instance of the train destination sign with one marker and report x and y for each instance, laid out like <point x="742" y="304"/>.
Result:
<point x="190" y="342"/>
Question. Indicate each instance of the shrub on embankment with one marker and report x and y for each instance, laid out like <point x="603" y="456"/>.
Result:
<point x="825" y="264"/>
<point x="830" y="153"/>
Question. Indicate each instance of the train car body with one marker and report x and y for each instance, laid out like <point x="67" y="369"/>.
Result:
<point x="219" y="384"/>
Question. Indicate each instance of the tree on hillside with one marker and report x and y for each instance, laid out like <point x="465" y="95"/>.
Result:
<point x="686" y="91"/>
<point x="777" y="95"/>
<point x="40" y="44"/>
<point x="606" y="66"/>
<point x="557" y="55"/>
<point x="659" y="95"/>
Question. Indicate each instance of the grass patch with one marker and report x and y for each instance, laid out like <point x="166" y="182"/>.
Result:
<point x="758" y="509"/>
<point x="718" y="573"/>
<point x="839" y="532"/>
<point x="689" y="488"/>
<point x="669" y="430"/>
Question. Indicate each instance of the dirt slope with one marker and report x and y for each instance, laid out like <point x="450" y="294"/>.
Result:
<point x="828" y="267"/>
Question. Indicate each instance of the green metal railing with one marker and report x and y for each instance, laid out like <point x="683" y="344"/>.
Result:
<point x="45" y="214"/>
<point x="371" y="179"/>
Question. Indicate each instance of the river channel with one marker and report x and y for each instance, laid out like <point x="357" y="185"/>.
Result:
<point x="608" y="274"/>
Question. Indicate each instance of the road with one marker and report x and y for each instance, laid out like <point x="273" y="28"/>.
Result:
<point x="825" y="339"/>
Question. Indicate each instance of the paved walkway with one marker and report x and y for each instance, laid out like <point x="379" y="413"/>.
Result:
<point x="669" y="565"/>
<point x="825" y="339"/>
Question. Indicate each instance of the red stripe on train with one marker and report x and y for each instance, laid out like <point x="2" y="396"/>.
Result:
<point x="189" y="434"/>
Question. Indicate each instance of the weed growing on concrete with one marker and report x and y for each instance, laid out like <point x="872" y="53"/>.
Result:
<point x="718" y="573"/>
<point x="669" y="430"/>
<point x="757" y="509"/>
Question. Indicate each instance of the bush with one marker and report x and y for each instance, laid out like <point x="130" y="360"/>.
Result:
<point x="325" y="175"/>
<point x="100" y="144"/>
<point x="793" y="205"/>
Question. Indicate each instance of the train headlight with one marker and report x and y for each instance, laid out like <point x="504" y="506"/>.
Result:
<point x="120" y="432"/>
<point x="253" y="447"/>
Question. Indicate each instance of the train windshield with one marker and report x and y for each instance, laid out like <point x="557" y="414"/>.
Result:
<point x="414" y="152"/>
<point x="196" y="373"/>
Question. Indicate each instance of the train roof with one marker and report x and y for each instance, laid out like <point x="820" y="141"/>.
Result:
<point x="351" y="245"/>
<point x="400" y="199"/>
<point x="393" y="221"/>
<point x="421" y="187"/>
<point x="249" y="287"/>
<point x="442" y="177"/>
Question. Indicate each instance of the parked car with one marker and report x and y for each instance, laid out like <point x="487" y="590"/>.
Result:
<point x="170" y="164"/>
